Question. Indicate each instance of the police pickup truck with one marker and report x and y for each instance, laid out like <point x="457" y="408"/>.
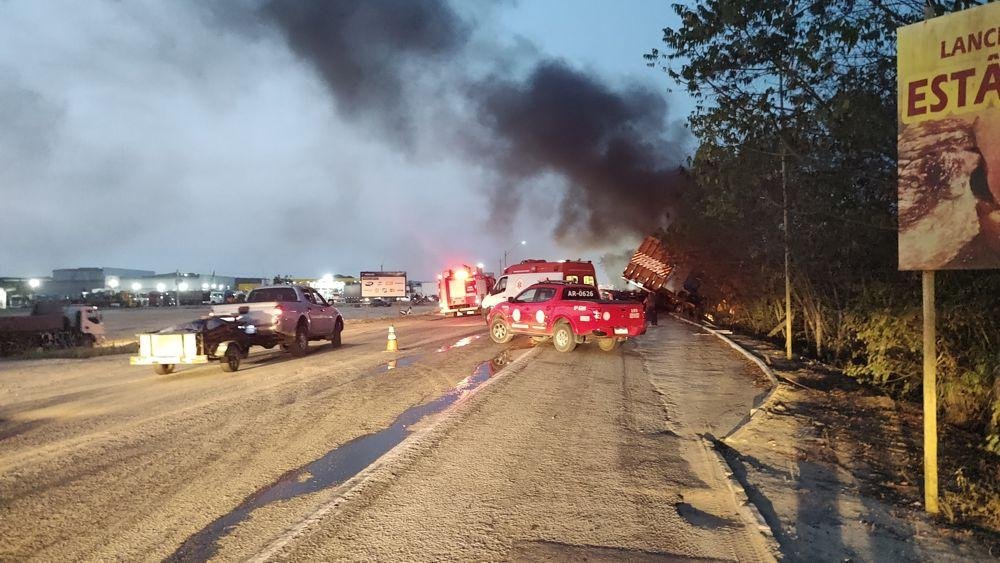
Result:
<point x="570" y="313"/>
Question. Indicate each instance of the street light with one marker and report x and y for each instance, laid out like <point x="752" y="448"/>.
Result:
<point x="161" y="287"/>
<point x="136" y="286"/>
<point x="506" y="252"/>
<point x="183" y="286"/>
<point x="33" y="283"/>
<point x="113" y="283"/>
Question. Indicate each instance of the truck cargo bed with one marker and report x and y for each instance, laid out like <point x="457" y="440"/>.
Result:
<point x="31" y="323"/>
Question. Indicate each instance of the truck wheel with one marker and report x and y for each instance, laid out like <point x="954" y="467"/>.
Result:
<point x="499" y="331"/>
<point x="300" y="345"/>
<point x="163" y="369"/>
<point x="608" y="344"/>
<point x="87" y="341"/>
<point x="563" y="338"/>
<point x="335" y="336"/>
<point x="231" y="361"/>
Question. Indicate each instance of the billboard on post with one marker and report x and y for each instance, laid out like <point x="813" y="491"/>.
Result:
<point x="383" y="284"/>
<point x="949" y="141"/>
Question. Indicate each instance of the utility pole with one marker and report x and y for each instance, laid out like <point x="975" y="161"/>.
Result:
<point x="784" y="210"/>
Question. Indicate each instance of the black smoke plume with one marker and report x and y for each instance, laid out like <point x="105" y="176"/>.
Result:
<point x="367" y="52"/>
<point x="615" y="148"/>
<point x="612" y="148"/>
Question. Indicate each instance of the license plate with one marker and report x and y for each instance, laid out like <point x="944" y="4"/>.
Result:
<point x="621" y="331"/>
<point x="633" y="315"/>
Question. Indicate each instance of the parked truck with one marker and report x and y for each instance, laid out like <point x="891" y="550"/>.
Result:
<point x="55" y="325"/>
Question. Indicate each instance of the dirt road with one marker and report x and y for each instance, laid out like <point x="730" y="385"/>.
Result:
<point x="577" y="455"/>
<point x="572" y="456"/>
<point x="102" y="460"/>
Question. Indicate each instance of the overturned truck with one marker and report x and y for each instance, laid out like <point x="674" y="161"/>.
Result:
<point x="651" y="267"/>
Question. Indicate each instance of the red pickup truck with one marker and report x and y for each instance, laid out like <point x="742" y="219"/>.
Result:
<point x="570" y="313"/>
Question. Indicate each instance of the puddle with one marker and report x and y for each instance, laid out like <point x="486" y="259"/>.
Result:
<point x="458" y="344"/>
<point x="397" y="363"/>
<point x="335" y="467"/>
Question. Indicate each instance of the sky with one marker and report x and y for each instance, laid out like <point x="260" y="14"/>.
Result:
<point x="305" y="137"/>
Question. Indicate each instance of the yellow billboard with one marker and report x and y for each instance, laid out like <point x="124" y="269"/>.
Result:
<point x="949" y="141"/>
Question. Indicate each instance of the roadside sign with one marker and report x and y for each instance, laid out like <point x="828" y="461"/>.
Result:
<point x="949" y="141"/>
<point x="383" y="284"/>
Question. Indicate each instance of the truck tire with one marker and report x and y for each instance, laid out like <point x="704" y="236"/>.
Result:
<point x="335" y="336"/>
<point x="563" y="338"/>
<point x="500" y="332"/>
<point x="164" y="369"/>
<point x="300" y="344"/>
<point x="231" y="361"/>
<point x="607" y="343"/>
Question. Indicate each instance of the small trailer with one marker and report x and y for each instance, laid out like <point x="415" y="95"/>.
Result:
<point x="222" y="339"/>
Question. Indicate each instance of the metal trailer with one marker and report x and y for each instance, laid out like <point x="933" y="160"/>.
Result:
<point x="222" y="339"/>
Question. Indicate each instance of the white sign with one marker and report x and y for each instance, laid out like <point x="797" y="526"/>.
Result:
<point x="383" y="284"/>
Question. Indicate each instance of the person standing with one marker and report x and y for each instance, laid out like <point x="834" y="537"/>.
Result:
<point x="650" y="304"/>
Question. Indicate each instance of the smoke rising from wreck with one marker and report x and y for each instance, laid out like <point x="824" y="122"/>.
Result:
<point x="368" y="53"/>
<point x="615" y="150"/>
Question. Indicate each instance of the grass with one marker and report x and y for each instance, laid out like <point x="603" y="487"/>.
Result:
<point x="78" y="353"/>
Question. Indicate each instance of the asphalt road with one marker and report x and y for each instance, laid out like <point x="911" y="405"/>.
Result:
<point x="534" y="455"/>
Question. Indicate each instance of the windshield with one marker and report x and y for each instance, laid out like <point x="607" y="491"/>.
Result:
<point x="280" y="294"/>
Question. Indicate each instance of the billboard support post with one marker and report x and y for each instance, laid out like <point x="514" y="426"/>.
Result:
<point x="930" y="395"/>
<point x="946" y="222"/>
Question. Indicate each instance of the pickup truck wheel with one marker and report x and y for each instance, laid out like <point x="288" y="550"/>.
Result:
<point x="563" y="338"/>
<point x="499" y="331"/>
<point x="608" y="344"/>
<point x="163" y="369"/>
<point x="335" y="336"/>
<point x="300" y="345"/>
<point x="231" y="361"/>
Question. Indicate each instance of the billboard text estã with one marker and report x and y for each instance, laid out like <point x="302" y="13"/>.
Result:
<point x="949" y="141"/>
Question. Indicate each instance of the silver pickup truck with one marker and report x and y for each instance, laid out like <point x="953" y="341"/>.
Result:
<point x="286" y="315"/>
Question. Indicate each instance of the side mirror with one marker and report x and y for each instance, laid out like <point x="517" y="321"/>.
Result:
<point x="510" y="299"/>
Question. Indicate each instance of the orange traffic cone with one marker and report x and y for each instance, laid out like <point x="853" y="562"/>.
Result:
<point x="391" y="345"/>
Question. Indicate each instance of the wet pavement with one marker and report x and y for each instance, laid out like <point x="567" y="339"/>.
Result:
<point x="460" y="343"/>
<point x="341" y="463"/>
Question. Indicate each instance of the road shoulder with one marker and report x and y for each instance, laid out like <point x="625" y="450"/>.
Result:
<point x="835" y="470"/>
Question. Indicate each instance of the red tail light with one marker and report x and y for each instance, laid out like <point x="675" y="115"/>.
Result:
<point x="279" y="307"/>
